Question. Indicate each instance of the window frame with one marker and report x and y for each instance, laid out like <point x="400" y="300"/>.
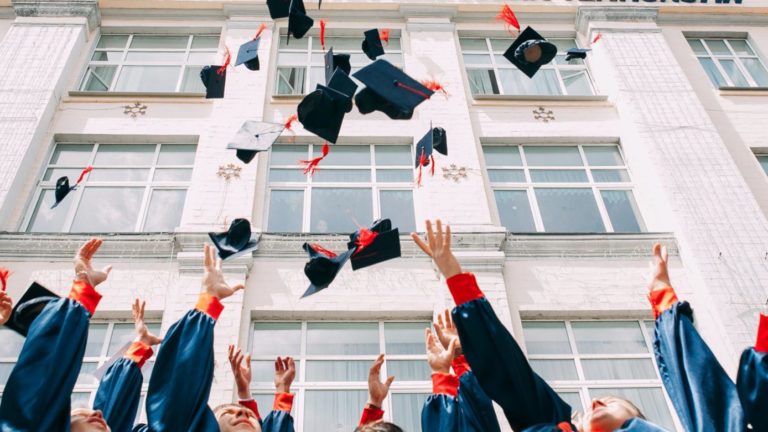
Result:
<point x="736" y="58"/>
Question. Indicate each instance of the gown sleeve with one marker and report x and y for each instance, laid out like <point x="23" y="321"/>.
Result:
<point x="498" y="363"/>
<point x="441" y="409"/>
<point x="120" y="388"/>
<point x="475" y="407"/>
<point x="370" y="414"/>
<point x="704" y="397"/>
<point x="752" y="380"/>
<point x="279" y="419"/>
<point x="37" y="394"/>
<point x="177" y="399"/>
<point x="251" y="405"/>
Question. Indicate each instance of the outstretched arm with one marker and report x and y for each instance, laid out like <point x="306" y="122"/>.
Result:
<point x="377" y="392"/>
<point x="441" y="409"/>
<point x="241" y="369"/>
<point x="280" y="419"/>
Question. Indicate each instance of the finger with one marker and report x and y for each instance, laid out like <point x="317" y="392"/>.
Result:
<point x="96" y="246"/>
<point x="430" y="236"/>
<point x="448" y="320"/>
<point x="447" y="239"/>
<point x="247" y="365"/>
<point x="438" y="330"/>
<point x="440" y="320"/>
<point x="389" y="382"/>
<point x="237" y="288"/>
<point x="291" y="364"/>
<point x="452" y="346"/>
<point x="664" y="254"/>
<point x="83" y="251"/>
<point x="420" y="243"/>
<point x="277" y="365"/>
<point x="230" y="351"/>
<point x="439" y="239"/>
<point x="206" y="256"/>
<point x="427" y="333"/>
<point x="218" y="262"/>
<point x="107" y="269"/>
<point x="656" y="251"/>
<point x="143" y="306"/>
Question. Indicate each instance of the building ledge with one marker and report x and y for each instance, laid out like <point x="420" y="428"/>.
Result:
<point x="743" y="91"/>
<point x="287" y="98"/>
<point x="543" y="245"/>
<point x="488" y="100"/>
<point x="96" y="96"/>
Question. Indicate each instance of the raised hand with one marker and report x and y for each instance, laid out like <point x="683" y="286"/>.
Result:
<point x="446" y="332"/>
<point x="659" y="271"/>
<point x="142" y="331"/>
<point x="439" y="358"/>
<point x="438" y="247"/>
<point x="213" y="277"/>
<point x="6" y="306"/>
<point x="84" y="266"/>
<point x="377" y="390"/>
<point x="285" y="372"/>
<point x="242" y="371"/>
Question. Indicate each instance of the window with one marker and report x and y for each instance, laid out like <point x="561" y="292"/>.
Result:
<point x="150" y="63"/>
<point x="489" y="73"/>
<point x="583" y="360"/>
<point x="105" y="339"/>
<point x="763" y="159"/>
<point x="355" y="185"/>
<point x="730" y="62"/>
<point x="133" y="187"/>
<point x="332" y="362"/>
<point x="304" y="58"/>
<point x="562" y="189"/>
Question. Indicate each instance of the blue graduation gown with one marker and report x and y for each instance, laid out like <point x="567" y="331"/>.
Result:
<point x="631" y="425"/>
<point x="118" y="395"/>
<point x="277" y="421"/>
<point x="752" y="380"/>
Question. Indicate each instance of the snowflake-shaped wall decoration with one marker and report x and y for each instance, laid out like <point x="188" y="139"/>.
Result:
<point x="229" y="171"/>
<point x="454" y="173"/>
<point x="135" y="110"/>
<point x="543" y="114"/>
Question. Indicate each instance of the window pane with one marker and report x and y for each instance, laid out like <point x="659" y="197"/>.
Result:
<point x="608" y="337"/>
<point x="12" y="342"/>
<point x="546" y="337"/>
<point x="342" y="338"/>
<point x="339" y="44"/>
<point x="111" y="56"/>
<point x="342" y="175"/>
<point x="482" y="81"/>
<point x="393" y="155"/>
<point x="740" y="47"/>
<point x="345" y="155"/>
<point x="276" y="339"/>
<point x="559" y="176"/>
<point x="316" y="76"/>
<point x="124" y="333"/>
<point x="71" y="154"/>
<point x="555" y="370"/>
<point x="191" y="82"/>
<point x="285" y="211"/>
<point x="717" y="46"/>
<point x="340" y="210"/>
<point x="409" y="370"/>
<point x="108" y="209"/>
<point x="46" y="219"/>
<point x="603" y="155"/>
<point x="118" y="174"/>
<point x="98" y="78"/>
<point x="112" y="41"/>
<point x="398" y="206"/>
<point x="394" y="176"/>
<point x="468" y="44"/>
<point x="623" y="211"/>
<point x="712" y="72"/>
<point x="125" y="154"/>
<point x="405" y="338"/>
<point x="159" y="42"/>
<point x="164" y="212"/>
<point x="264" y="371"/>
<point x="477" y="59"/>
<point x="177" y="154"/>
<point x="285" y="154"/>
<point x="605" y="176"/>
<point x="502" y="156"/>
<point x="697" y="46"/>
<point x="576" y="82"/>
<point x="756" y="70"/>
<point x="618" y="369"/>
<point x="500" y="45"/>
<point x="201" y="58"/>
<point x="515" y="211"/>
<point x="337" y="370"/>
<point x="515" y="82"/>
<point x="333" y="410"/>
<point x="506" y="176"/>
<point x="290" y="80"/>
<point x="650" y="401"/>
<point x="287" y="175"/>
<point x="569" y="210"/>
<point x="148" y="78"/>
<point x="53" y="174"/>
<point x="763" y="162"/>
<point x="5" y="372"/>
<point x="173" y="174"/>
<point x="730" y="68"/>
<point x="155" y="56"/>
<point x="203" y="42"/>
<point x="97" y="333"/>
<point x="552" y="155"/>
<point x="573" y="399"/>
<point x="406" y="410"/>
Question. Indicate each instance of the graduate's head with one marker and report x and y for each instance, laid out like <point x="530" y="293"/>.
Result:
<point x="233" y="417"/>
<point x="608" y="414"/>
<point x="87" y="420"/>
<point x="379" y="426"/>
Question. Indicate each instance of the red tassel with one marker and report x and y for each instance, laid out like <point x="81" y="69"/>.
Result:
<point x="227" y="60"/>
<point x="364" y="239"/>
<point x="83" y="173"/>
<point x="289" y="123"/>
<point x="384" y="35"/>
<point x="435" y="86"/>
<point x="258" y="32"/>
<point x="597" y="37"/>
<point x="432" y="168"/>
<point x="564" y="427"/>
<point x="422" y="163"/>
<point x="509" y="18"/>
<point x="4" y="273"/>
<point x="322" y="34"/>
<point x="412" y="90"/>
<point x="310" y="166"/>
<point x="418" y="178"/>
<point x="319" y="249"/>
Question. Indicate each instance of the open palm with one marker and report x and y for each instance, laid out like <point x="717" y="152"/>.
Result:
<point x="213" y="276"/>
<point x="439" y="358"/>
<point x="84" y="263"/>
<point x="659" y="270"/>
<point x="142" y="331"/>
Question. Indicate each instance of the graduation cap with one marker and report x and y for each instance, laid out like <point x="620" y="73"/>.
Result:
<point x="214" y="79"/>
<point x="576" y="53"/>
<point x="236" y="241"/>
<point x="389" y="90"/>
<point x="248" y="54"/>
<point x="530" y="51"/>
<point x="29" y="307"/>
<point x="322" y="111"/>
<point x="373" y="245"/>
<point x="372" y="44"/>
<point x="278" y="8"/>
<point x="336" y="61"/>
<point x="322" y="267"/>
<point x="63" y="188"/>
<point x="436" y="140"/>
<point x="253" y="137"/>
<point x="298" y="21"/>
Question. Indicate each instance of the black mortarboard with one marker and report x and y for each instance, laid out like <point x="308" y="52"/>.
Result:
<point x="530" y="51"/>
<point x="385" y="245"/>
<point x="333" y="61"/>
<point x="322" y="267"/>
<point x="322" y="111"/>
<point x="372" y="46"/>
<point x="249" y="54"/>
<point x="62" y="190"/>
<point x="278" y="8"/>
<point x="389" y="90"/>
<point x="436" y="140"/>
<point x="253" y="137"/>
<point x="237" y="240"/>
<point x="298" y="21"/>
<point x="29" y="307"/>
<point x="342" y="83"/>
<point x="576" y="53"/>
<point x="214" y="81"/>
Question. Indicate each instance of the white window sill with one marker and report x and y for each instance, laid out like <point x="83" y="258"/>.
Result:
<point x="492" y="99"/>
<point x="743" y="91"/>
<point x="287" y="98"/>
<point x="133" y="95"/>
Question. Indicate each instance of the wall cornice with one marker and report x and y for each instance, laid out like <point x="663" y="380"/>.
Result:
<point x="586" y="245"/>
<point x="88" y="9"/>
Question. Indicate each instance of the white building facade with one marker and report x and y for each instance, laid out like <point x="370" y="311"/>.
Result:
<point x="556" y="188"/>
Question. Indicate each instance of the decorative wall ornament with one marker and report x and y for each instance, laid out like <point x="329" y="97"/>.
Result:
<point x="229" y="171"/>
<point x="543" y="114"/>
<point x="454" y="172"/>
<point x="135" y="110"/>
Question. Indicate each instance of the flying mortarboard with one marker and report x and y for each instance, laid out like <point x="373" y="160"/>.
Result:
<point x="248" y="54"/>
<point x="576" y="53"/>
<point x="63" y="188"/>
<point x="278" y="8"/>
<point x="253" y="137"/>
<point x="372" y="246"/>
<point x="336" y="61"/>
<point x="214" y="79"/>
<point x="530" y="51"/>
<point x="29" y="307"/>
<point x="372" y="44"/>
<point x="322" y="267"/>
<point x="436" y="140"/>
<point x="322" y="111"/>
<point x="389" y="90"/>
<point x="236" y="241"/>
<point x="298" y="21"/>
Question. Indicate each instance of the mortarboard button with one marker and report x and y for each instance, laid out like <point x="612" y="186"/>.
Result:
<point x="236" y="241"/>
<point x="248" y="54"/>
<point x="398" y="94"/>
<point x="530" y="51"/>
<point x="334" y="61"/>
<point x="29" y="307"/>
<point x="576" y="53"/>
<point x="379" y="244"/>
<point x="298" y="21"/>
<point x="214" y="81"/>
<point x="278" y="8"/>
<point x="322" y="267"/>
<point x="253" y="137"/>
<point x="372" y="45"/>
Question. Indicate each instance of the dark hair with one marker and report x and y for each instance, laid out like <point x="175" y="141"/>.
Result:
<point x="379" y="427"/>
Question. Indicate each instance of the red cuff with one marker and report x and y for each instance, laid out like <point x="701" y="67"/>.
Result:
<point x="283" y="402"/>
<point x="662" y="299"/>
<point x="762" y="334"/>
<point x="464" y="288"/>
<point x="443" y="383"/>
<point x="460" y="366"/>
<point x="251" y="405"/>
<point x="139" y="352"/>
<point x="371" y="414"/>
<point x="209" y="305"/>
<point x="85" y="294"/>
